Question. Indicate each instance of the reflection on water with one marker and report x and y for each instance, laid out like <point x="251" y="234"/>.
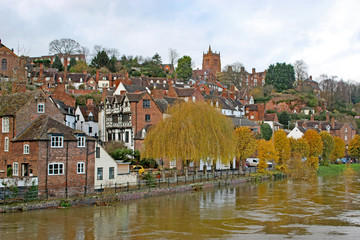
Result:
<point x="323" y="209"/>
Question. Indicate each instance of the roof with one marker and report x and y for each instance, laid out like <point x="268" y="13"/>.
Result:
<point x="139" y="135"/>
<point x="252" y="107"/>
<point x="184" y="92"/>
<point x="43" y="126"/>
<point x="243" y="122"/>
<point x="86" y="110"/>
<point x="135" y="97"/>
<point x="10" y="104"/>
<point x="271" y="117"/>
<point x="134" y="88"/>
<point x="65" y="109"/>
<point x="162" y="104"/>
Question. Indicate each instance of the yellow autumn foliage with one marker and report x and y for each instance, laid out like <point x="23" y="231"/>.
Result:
<point x="266" y="153"/>
<point x="245" y="143"/>
<point x="282" y="146"/>
<point x="193" y="131"/>
<point x="314" y="141"/>
<point x="299" y="147"/>
<point x="354" y="147"/>
<point x="338" y="150"/>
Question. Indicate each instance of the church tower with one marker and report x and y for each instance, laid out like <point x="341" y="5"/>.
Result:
<point x="211" y="62"/>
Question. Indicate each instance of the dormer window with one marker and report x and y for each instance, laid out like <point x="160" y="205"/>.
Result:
<point x="41" y="108"/>
<point x="57" y="141"/>
<point x="81" y="141"/>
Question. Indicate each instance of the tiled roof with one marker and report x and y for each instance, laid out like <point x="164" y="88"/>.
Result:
<point x="243" y="122"/>
<point x="10" y="104"/>
<point x="138" y="135"/>
<point x="252" y="107"/>
<point x="86" y="110"/>
<point x="135" y="97"/>
<point x="162" y="104"/>
<point x="184" y="92"/>
<point x="134" y="88"/>
<point x="270" y="117"/>
<point x="43" y="126"/>
<point x="65" y="109"/>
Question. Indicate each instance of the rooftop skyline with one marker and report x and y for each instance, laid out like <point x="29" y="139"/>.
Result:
<point x="325" y="34"/>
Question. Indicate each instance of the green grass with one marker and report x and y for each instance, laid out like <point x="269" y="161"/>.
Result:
<point x="336" y="169"/>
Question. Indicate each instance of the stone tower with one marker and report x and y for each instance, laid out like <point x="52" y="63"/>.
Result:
<point x="211" y="62"/>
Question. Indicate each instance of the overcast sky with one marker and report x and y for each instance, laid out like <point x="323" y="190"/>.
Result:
<point x="325" y="34"/>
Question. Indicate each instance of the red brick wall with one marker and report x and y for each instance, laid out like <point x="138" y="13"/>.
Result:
<point x="61" y="95"/>
<point x="13" y="62"/>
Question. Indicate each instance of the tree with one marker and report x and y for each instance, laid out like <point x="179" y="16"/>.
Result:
<point x="182" y="135"/>
<point x="112" y="63"/>
<point x="315" y="143"/>
<point x="100" y="60"/>
<point x="284" y="118"/>
<point x="300" y="68"/>
<point x="245" y="143"/>
<point x="282" y="146"/>
<point x="266" y="131"/>
<point x="157" y="59"/>
<point x="173" y="56"/>
<point x="57" y="64"/>
<point x="80" y="67"/>
<point x="232" y="74"/>
<point x="71" y="64"/>
<point x="338" y="150"/>
<point x="266" y="153"/>
<point x="354" y="147"/>
<point x="299" y="147"/>
<point x="184" y="69"/>
<point x="328" y="146"/>
<point x="281" y="76"/>
<point x="64" y="46"/>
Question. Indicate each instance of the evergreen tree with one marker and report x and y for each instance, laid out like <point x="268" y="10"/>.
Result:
<point x="281" y="76"/>
<point x="266" y="131"/>
<point x="284" y="119"/>
<point x="57" y="64"/>
<point x="72" y="63"/>
<point x="100" y="60"/>
<point x="184" y="69"/>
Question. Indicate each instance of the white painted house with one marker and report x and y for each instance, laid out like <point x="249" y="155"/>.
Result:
<point x="87" y="119"/>
<point x="109" y="171"/>
<point x="297" y="132"/>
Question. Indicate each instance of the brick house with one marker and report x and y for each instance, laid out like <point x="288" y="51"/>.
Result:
<point x="255" y="112"/>
<point x="187" y="94"/>
<point x="11" y="65"/>
<point x="60" y="157"/>
<point x="129" y="114"/>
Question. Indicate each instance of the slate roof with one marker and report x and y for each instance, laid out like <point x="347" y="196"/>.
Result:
<point x="243" y="122"/>
<point x="138" y="135"/>
<point x="42" y="126"/>
<point x="75" y="77"/>
<point x="10" y="104"/>
<point x="162" y="104"/>
<point x="134" y="88"/>
<point x="65" y="109"/>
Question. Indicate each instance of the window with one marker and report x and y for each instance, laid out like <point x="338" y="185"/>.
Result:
<point x="100" y="173"/>
<point x="97" y="152"/>
<point x="173" y="163"/>
<point x="57" y="141"/>
<point x="81" y="141"/>
<point x="15" y="169"/>
<point x="147" y="117"/>
<point x="251" y="117"/>
<point x="111" y="173"/>
<point x="5" y="124"/>
<point x="6" y="145"/>
<point x="80" y="167"/>
<point x="90" y="129"/>
<point x="56" y="169"/>
<point x="41" y="108"/>
<point x="115" y="118"/>
<point x="26" y="149"/>
<point x="127" y="137"/>
<point x="4" y="64"/>
<point x="345" y="129"/>
<point x="345" y="138"/>
<point x="146" y="103"/>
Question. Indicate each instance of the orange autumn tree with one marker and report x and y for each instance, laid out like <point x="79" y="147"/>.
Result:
<point x="299" y="147"/>
<point x="266" y="153"/>
<point x="315" y="143"/>
<point x="282" y="146"/>
<point x="338" y="150"/>
<point x="193" y="131"/>
<point x="354" y="147"/>
<point x="245" y="143"/>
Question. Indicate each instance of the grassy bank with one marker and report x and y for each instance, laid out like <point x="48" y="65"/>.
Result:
<point x="337" y="169"/>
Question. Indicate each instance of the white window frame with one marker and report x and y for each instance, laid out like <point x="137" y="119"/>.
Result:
<point x="15" y="169"/>
<point x="345" y="138"/>
<point x="98" y="175"/>
<point x="57" y="141"/>
<point x="113" y="173"/>
<point x="80" y="168"/>
<point x="26" y="149"/>
<point x="60" y="169"/>
<point x="173" y="163"/>
<point x="6" y="144"/>
<point x="5" y="125"/>
<point x="345" y="129"/>
<point x="41" y="108"/>
<point x="81" y="141"/>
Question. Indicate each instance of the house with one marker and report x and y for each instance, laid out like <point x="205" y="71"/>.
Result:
<point x="244" y="122"/>
<point x="186" y="93"/>
<point x="128" y="114"/>
<point x="69" y="113"/>
<point x="87" y="118"/>
<point x="60" y="158"/>
<point x="109" y="172"/>
<point x="11" y="66"/>
<point x="273" y="121"/>
<point x="255" y="112"/>
<point x="297" y="132"/>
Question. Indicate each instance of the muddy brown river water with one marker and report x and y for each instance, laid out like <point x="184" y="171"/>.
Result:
<point x="327" y="208"/>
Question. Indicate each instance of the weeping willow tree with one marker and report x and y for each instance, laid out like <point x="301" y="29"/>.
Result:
<point x="194" y="132"/>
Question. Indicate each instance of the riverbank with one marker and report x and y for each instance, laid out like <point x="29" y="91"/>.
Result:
<point x="109" y="197"/>
<point x="337" y="169"/>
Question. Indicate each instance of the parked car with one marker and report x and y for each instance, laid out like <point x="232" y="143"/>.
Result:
<point x="344" y="160"/>
<point x="254" y="162"/>
<point x="138" y="169"/>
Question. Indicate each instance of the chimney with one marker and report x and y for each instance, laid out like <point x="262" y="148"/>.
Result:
<point x="253" y="70"/>
<point x="312" y="117"/>
<point x="104" y="93"/>
<point x="232" y="87"/>
<point x="89" y="102"/>
<point x="327" y="117"/>
<point x="333" y="122"/>
<point x="110" y="80"/>
<point x="41" y="70"/>
<point x="97" y="76"/>
<point x="310" y="78"/>
<point x="242" y="69"/>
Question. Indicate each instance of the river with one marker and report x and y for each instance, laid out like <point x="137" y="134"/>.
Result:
<point x="326" y="208"/>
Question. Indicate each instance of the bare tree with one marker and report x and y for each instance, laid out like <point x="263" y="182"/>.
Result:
<point x="300" y="68"/>
<point x="64" y="46"/>
<point x="173" y="56"/>
<point x="233" y="74"/>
